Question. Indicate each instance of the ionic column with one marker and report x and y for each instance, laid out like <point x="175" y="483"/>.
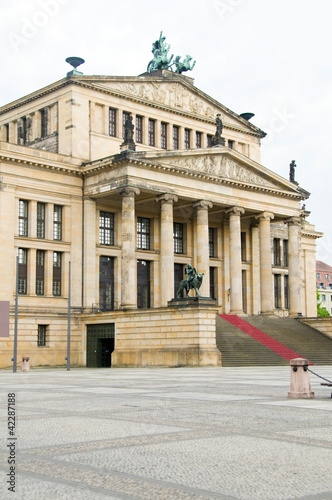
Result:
<point x="128" y="258"/>
<point x="166" y="248"/>
<point x="255" y="270"/>
<point x="294" y="248"/>
<point x="235" y="264"/>
<point x="266" y="283"/>
<point x="202" y="243"/>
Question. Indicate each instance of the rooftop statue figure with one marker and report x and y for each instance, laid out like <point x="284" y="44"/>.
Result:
<point x="129" y="130"/>
<point x="184" y="65"/>
<point x="292" y="167"/>
<point x="217" y="140"/>
<point x="160" y="50"/>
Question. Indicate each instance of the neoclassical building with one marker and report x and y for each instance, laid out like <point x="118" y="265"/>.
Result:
<point x="130" y="221"/>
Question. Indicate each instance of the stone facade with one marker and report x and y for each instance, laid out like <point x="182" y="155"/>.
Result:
<point x="130" y="222"/>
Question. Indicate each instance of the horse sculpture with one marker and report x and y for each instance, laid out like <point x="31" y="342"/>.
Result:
<point x="194" y="284"/>
<point x="184" y="65"/>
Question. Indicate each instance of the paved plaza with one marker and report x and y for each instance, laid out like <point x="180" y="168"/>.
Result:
<point x="162" y="433"/>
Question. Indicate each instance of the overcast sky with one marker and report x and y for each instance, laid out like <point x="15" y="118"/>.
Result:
<point x="269" y="57"/>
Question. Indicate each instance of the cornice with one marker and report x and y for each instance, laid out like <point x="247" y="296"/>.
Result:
<point x="111" y="163"/>
<point x="38" y="164"/>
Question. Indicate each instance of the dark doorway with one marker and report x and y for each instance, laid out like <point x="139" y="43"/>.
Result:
<point x="99" y="345"/>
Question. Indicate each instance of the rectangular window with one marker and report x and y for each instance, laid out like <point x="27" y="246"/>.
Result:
<point x="40" y="272"/>
<point x="143" y="233"/>
<point x="327" y="276"/>
<point x="106" y="228"/>
<point x="125" y="116"/>
<point x="318" y="276"/>
<point x="213" y="291"/>
<point x="43" y="122"/>
<point x="57" y="222"/>
<point x="209" y="140"/>
<point x="139" y="129"/>
<point x="106" y="283"/>
<point x="40" y="220"/>
<point x="113" y="122"/>
<point x="151" y="132"/>
<point x="276" y="252"/>
<point x="178" y="277"/>
<point x="7" y="132"/>
<point x="143" y="284"/>
<point x="163" y="135"/>
<point x="277" y="291"/>
<point x="198" y="140"/>
<point x="22" y="131"/>
<point x="22" y="270"/>
<point x="57" y="274"/>
<point x="243" y="247"/>
<point x="230" y="144"/>
<point x="41" y="341"/>
<point x="23" y="218"/>
<point x="285" y="252"/>
<point x="211" y="241"/>
<point x="178" y="237"/>
<point x="286" y="291"/>
<point x="186" y="138"/>
<point x="175" y="137"/>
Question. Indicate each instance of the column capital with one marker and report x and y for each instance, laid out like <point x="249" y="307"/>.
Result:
<point x="129" y="191"/>
<point x="294" y="221"/>
<point x="167" y="198"/>
<point x="203" y="204"/>
<point x="265" y="216"/>
<point x="235" y="211"/>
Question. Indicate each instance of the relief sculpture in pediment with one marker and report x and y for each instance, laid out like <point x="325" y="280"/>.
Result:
<point x="222" y="167"/>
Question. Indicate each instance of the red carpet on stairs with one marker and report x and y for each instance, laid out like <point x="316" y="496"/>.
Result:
<point x="261" y="337"/>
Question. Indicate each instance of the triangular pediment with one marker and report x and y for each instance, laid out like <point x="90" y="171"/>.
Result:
<point x="228" y="166"/>
<point x="174" y="93"/>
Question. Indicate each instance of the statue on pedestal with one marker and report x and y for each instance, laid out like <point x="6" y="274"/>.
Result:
<point x="128" y="139"/>
<point x="217" y="140"/>
<point x="193" y="282"/>
<point x="292" y="167"/>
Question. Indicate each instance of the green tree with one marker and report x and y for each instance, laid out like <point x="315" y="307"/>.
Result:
<point x="321" y="311"/>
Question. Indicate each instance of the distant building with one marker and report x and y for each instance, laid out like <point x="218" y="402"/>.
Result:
<point x="324" y="284"/>
<point x="129" y="221"/>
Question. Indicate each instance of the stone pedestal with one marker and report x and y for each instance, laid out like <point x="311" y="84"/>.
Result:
<point x="183" y="334"/>
<point x="300" y="387"/>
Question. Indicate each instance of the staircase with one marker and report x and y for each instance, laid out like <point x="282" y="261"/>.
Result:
<point x="284" y="339"/>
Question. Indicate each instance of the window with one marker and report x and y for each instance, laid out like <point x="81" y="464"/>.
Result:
<point x="143" y="233"/>
<point x="6" y="132"/>
<point x="41" y="341"/>
<point x="322" y="285"/>
<point x="22" y="270"/>
<point x="43" y="122"/>
<point x="286" y="291"/>
<point x="57" y="274"/>
<point x="23" y="218"/>
<point x="243" y="247"/>
<point x="178" y="237"/>
<point x="213" y="288"/>
<point x="277" y="291"/>
<point x="324" y="297"/>
<point x="209" y="140"/>
<point x="186" y="138"/>
<point x="143" y="284"/>
<point x="22" y="131"/>
<point x="285" y="248"/>
<point x="175" y="137"/>
<point x="211" y="241"/>
<point x="276" y="252"/>
<point x="230" y="144"/>
<point x="178" y="277"/>
<point x="327" y="276"/>
<point x="57" y="222"/>
<point x="106" y="283"/>
<point x="125" y="116"/>
<point x="40" y="220"/>
<point x="113" y="122"/>
<point x="198" y="140"/>
<point x="318" y="276"/>
<point x="151" y="132"/>
<point x="139" y="129"/>
<point x="106" y="228"/>
<point x="163" y="135"/>
<point x="40" y="271"/>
